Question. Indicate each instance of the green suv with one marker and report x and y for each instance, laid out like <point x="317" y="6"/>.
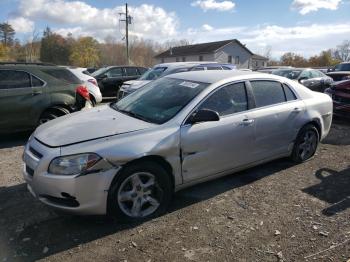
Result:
<point x="32" y="94"/>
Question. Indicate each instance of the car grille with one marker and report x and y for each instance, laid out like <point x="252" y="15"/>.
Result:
<point x="35" y="153"/>
<point x="340" y="99"/>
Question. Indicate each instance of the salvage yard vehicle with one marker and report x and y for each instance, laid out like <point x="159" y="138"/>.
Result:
<point x="311" y="78"/>
<point x="340" y="93"/>
<point x="177" y="131"/>
<point x="111" y="78"/>
<point x="34" y="93"/>
<point x="340" y="72"/>
<point x="165" y="69"/>
<point x="90" y="83"/>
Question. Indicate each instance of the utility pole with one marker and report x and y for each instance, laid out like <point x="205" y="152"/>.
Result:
<point x="127" y="21"/>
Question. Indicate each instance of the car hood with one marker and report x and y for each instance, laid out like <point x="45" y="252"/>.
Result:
<point x="99" y="122"/>
<point x="135" y="84"/>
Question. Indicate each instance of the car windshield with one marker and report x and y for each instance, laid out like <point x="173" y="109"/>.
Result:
<point x="342" y="67"/>
<point x="291" y="74"/>
<point x="153" y="73"/>
<point x="99" y="71"/>
<point x="159" y="101"/>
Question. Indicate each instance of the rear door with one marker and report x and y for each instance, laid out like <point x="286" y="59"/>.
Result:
<point x="131" y="73"/>
<point x="112" y="82"/>
<point x="278" y="118"/>
<point x="16" y="100"/>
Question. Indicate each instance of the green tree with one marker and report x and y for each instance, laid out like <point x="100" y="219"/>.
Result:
<point x="7" y="34"/>
<point x="54" y="48"/>
<point x="85" y="52"/>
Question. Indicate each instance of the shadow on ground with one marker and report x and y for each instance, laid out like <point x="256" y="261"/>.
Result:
<point x="334" y="188"/>
<point x="27" y="226"/>
<point x="13" y="140"/>
<point x="339" y="133"/>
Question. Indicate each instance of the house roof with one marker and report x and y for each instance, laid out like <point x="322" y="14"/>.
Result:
<point x="203" y="48"/>
<point x="259" y="57"/>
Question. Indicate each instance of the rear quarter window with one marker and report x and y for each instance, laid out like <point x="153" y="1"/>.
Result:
<point x="62" y="75"/>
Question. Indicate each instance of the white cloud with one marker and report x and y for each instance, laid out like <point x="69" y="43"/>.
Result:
<point x="206" y="5"/>
<point x="148" y="21"/>
<point x="21" y="25"/>
<point x="207" y="27"/>
<point x="307" y="6"/>
<point x="308" y="39"/>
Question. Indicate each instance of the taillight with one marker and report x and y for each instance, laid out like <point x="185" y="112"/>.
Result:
<point x="93" y="81"/>
<point x="83" y="91"/>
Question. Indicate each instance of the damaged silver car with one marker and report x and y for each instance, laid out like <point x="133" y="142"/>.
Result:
<point x="127" y="158"/>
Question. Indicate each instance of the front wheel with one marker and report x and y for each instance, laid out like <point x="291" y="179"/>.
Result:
<point x="142" y="191"/>
<point x="306" y="144"/>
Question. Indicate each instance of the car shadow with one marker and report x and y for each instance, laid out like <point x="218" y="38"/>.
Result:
<point x="28" y="227"/>
<point x="13" y="140"/>
<point x="339" y="133"/>
<point x="334" y="188"/>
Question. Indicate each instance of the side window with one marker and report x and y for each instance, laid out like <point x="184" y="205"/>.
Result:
<point x="214" y="68"/>
<point x="115" y="72"/>
<point x="36" y="82"/>
<point x="14" y="79"/>
<point x="267" y="93"/>
<point x="131" y="71"/>
<point x="306" y="74"/>
<point x="227" y="100"/>
<point x="290" y="96"/>
<point x="142" y="70"/>
<point x="62" y="75"/>
<point x="199" y="68"/>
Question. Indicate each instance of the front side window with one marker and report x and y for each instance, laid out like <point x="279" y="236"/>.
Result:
<point x="10" y="79"/>
<point x="115" y="72"/>
<point x="227" y="100"/>
<point x="267" y="93"/>
<point x="289" y="73"/>
<point x="160" y="100"/>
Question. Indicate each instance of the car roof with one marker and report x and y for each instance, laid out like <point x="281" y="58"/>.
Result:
<point x="211" y="77"/>
<point x="182" y="64"/>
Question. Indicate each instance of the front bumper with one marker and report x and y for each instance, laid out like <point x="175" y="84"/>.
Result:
<point x="83" y="195"/>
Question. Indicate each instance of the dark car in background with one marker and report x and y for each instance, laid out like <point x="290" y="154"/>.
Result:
<point x="340" y="93"/>
<point x="270" y="69"/>
<point x="32" y="94"/>
<point x="311" y="78"/>
<point x="340" y="72"/>
<point x="111" y="78"/>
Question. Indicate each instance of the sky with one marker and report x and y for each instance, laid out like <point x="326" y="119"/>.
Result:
<point x="305" y="27"/>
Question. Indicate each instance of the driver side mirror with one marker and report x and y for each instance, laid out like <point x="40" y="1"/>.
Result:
<point x="203" y="115"/>
<point x="302" y="79"/>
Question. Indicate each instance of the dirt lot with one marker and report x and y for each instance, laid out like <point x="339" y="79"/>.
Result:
<point x="275" y="212"/>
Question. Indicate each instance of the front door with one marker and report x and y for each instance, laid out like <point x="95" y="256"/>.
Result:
<point x="209" y="148"/>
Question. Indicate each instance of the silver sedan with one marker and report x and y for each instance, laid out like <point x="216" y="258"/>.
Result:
<point x="127" y="158"/>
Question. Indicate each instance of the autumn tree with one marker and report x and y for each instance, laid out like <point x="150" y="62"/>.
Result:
<point x="292" y="59"/>
<point x="7" y="34"/>
<point x="3" y="52"/>
<point x="54" y="48"/>
<point x="325" y="58"/>
<point x="85" y="52"/>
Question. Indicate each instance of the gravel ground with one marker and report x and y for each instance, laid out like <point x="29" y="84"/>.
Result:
<point x="275" y="212"/>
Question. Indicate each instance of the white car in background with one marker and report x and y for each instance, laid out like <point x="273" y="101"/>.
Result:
<point x="90" y="82"/>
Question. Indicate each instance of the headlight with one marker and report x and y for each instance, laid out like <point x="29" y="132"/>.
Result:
<point x="74" y="164"/>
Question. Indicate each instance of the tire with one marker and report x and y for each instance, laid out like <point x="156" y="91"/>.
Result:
<point x="93" y="100"/>
<point x="130" y="199"/>
<point x="51" y="114"/>
<point x="305" y="145"/>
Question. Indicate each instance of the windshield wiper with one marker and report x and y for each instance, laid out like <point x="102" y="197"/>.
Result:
<point x="132" y="114"/>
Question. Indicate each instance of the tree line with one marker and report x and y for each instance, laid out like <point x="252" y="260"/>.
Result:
<point x="86" y="51"/>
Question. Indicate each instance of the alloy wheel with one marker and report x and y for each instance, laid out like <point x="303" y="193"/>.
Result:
<point x="308" y="145"/>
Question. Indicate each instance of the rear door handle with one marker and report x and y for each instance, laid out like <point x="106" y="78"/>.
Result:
<point x="297" y="110"/>
<point x="247" y="122"/>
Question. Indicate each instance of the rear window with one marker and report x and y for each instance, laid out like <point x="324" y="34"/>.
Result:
<point x="131" y="71"/>
<point x="63" y="75"/>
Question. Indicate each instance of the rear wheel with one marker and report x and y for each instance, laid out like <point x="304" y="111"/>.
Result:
<point x="306" y="144"/>
<point x="142" y="191"/>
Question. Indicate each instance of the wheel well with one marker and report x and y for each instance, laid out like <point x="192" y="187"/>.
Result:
<point x="317" y="124"/>
<point x="62" y="109"/>
<point x="160" y="161"/>
<point x="92" y="98"/>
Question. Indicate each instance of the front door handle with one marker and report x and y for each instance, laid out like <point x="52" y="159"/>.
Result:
<point x="247" y="122"/>
<point x="37" y="92"/>
<point x="297" y="110"/>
